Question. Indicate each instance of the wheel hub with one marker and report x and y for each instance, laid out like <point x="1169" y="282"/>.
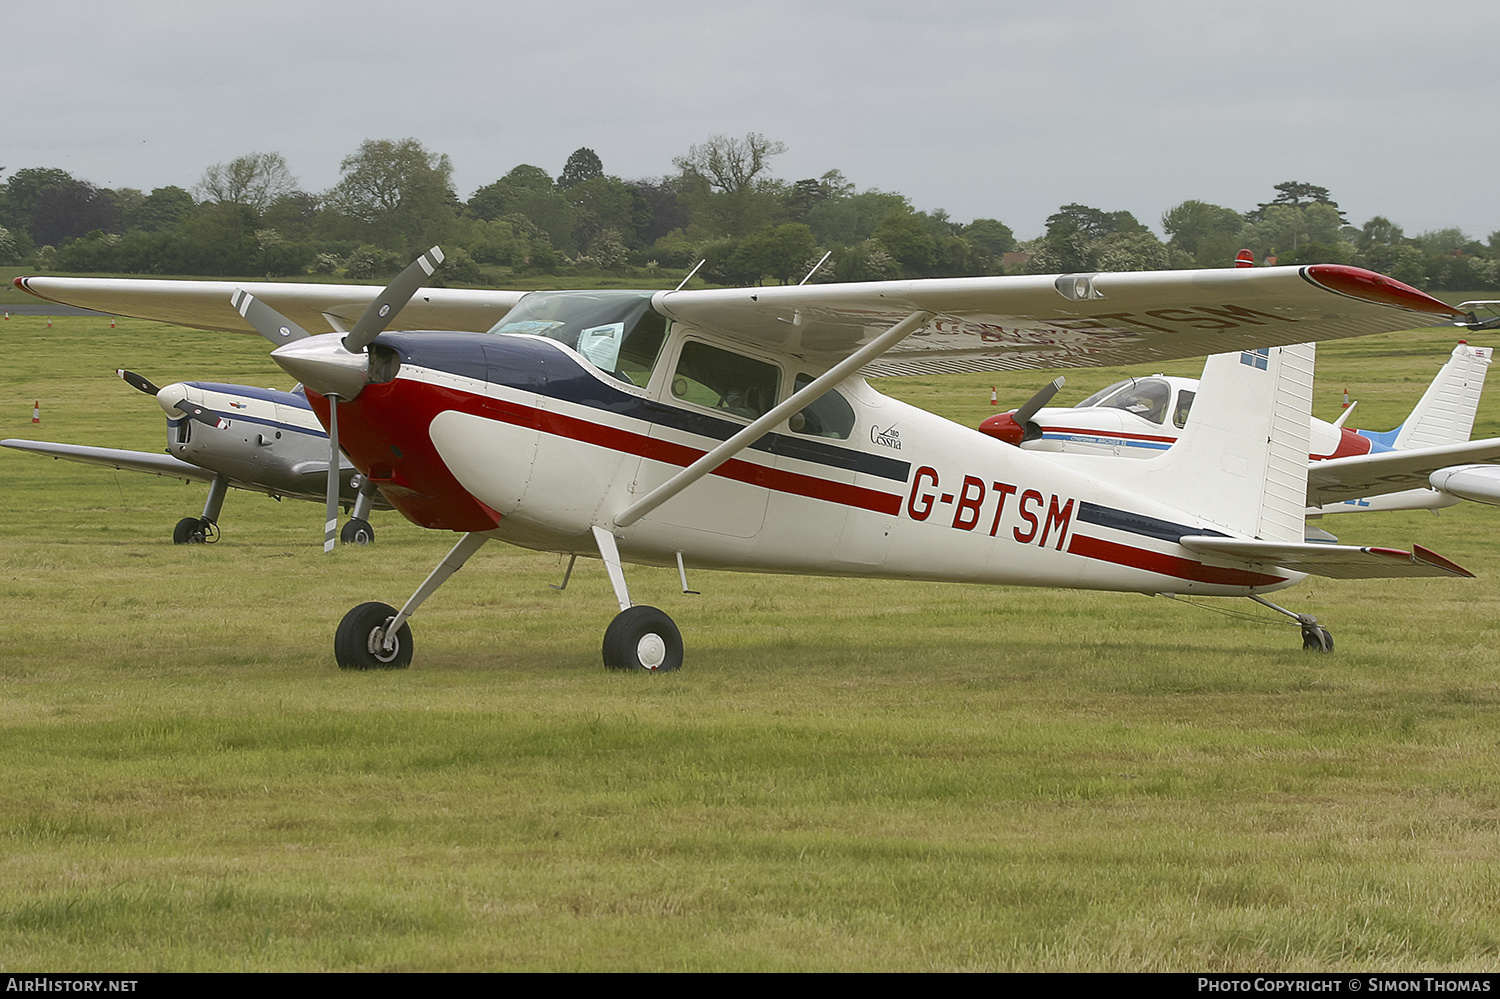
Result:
<point x="651" y="651"/>
<point x="377" y="648"/>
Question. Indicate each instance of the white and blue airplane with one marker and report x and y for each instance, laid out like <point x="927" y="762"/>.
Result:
<point x="737" y="429"/>
<point x="1426" y="463"/>
<point x="233" y="436"/>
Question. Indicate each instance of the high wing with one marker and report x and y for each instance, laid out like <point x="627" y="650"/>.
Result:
<point x="205" y="304"/>
<point x="1356" y="476"/>
<point x="1060" y="321"/>
<point x="168" y="466"/>
<point x="1334" y="561"/>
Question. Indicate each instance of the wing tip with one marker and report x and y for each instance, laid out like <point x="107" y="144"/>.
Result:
<point x="1368" y="286"/>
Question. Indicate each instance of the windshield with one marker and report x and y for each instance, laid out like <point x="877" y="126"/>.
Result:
<point x="615" y="330"/>
<point x="1145" y="397"/>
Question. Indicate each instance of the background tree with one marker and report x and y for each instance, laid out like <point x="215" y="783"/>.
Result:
<point x="70" y="210"/>
<point x="583" y="164"/>
<point x="1294" y="193"/>
<point x="397" y="195"/>
<point x="161" y="210"/>
<point x="1209" y="234"/>
<point x="255" y="180"/>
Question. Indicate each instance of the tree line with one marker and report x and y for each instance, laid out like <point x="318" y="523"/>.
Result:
<point x="721" y="204"/>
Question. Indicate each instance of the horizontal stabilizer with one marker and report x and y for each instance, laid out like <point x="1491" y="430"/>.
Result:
<point x="1363" y="475"/>
<point x="1334" y="561"/>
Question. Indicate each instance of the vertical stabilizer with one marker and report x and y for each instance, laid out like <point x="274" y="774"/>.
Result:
<point x="1241" y="462"/>
<point x="1445" y="414"/>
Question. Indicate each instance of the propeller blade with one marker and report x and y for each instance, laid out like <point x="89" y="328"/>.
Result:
<point x="391" y="300"/>
<point x="135" y="381"/>
<point x="1036" y="402"/>
<point x="193" y="411"/>
<point x="330" y="527"/>
<point x="267" y="321"/>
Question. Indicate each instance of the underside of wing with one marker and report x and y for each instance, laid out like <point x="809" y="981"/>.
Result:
<point x="1335" y="561"/>
<point x="314" y="307"/>
<point x="1364" y="475"/>
<point x="109" y="457"/>
<point x="1062" y="321"/>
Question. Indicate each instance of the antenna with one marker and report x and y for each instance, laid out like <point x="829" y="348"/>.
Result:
<point x="814" y="270"/>
<point x="691" y="273"/>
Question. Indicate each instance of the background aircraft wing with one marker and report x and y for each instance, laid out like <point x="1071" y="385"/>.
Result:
<point x="314" y="307"/>
<point x="1361" y="475"/>
<point x="1062" y="321"/>
<point x="133" y="461"/>
<point x="1336" y="561"/>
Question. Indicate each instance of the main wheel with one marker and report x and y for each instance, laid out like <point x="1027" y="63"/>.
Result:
<point x="643" y="638"/>
<point x="1316" y="638"/>
<point x="189" y="531"/>
<point x="359" y="641"/>
<point x="357" y="532"/>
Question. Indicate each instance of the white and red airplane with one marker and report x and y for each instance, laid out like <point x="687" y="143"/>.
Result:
<point x="735" y="429"/>
<point x="1408" y="468"/>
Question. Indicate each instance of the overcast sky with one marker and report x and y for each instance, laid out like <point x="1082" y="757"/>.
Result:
<point x="986" y="109"/>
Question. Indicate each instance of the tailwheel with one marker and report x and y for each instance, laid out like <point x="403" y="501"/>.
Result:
<point x="357" y="532"/>
<point x="195" y="531"/>
<point x="360" y="642"/>
<point x="643" y="638"/>
<point x="1316" y="638"/>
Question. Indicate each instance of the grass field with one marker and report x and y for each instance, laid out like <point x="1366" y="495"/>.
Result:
<point x="846" y="775"/>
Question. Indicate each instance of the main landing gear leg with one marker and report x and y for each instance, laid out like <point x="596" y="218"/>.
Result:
<point x="204" y="530"/>
<point x="357" y="529"/>
<point x="376" y="635"/>
<point x="639" y="637"/>
<point x="1315" y="638"/>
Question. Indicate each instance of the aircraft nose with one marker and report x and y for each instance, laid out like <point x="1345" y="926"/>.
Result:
<point x="168" y="396"/>
<point x="323" y="365"/>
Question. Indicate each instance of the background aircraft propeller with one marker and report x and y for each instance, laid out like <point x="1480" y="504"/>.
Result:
<point x="281" y="331"/>
<point x="1016" y="426"/>
<point x="191" y="410"/>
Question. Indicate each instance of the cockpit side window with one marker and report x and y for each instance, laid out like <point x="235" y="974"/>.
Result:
<point x="1184" y="407"/>
<point x="830" y="416"/>
<point x="718" y="379"/>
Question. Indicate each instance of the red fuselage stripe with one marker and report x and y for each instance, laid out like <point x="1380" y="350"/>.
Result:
<point x="656" y="449"/>
<point x="1166" y="565"/>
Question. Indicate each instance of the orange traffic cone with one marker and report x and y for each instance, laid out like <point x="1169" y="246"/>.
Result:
<point x="1346" y="398"/>
<point x="49" y="322"/>
<point x="994" y="399"/>
<point x="111" y="322"/>
<point x="36" y="411"/>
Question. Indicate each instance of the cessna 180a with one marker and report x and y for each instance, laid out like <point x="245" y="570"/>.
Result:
<point x="735" y="429"/>
<point x="234" y="436"/>
<point x="1426" y="463"/>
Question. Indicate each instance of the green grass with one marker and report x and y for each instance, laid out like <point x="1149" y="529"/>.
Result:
<point x="846" y="775"/>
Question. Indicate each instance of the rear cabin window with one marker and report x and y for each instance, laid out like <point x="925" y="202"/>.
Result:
<point x="726" y="381"/>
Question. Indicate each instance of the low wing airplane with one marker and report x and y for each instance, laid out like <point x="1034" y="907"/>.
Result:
<point x="1351" y="470"/>
<point x="236" y="436"/>
<point x="733" y="429"/>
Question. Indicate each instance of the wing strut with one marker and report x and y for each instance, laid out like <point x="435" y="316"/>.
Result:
<point x="798" y="400"/>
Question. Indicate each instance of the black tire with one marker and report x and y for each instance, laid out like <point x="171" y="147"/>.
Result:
<point x="643" y="638"/>
<point x="189" y="531"/>
<point x="357" y="532"/>
<point x="356" y="643"/>
<point x="1316" y="639"/>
